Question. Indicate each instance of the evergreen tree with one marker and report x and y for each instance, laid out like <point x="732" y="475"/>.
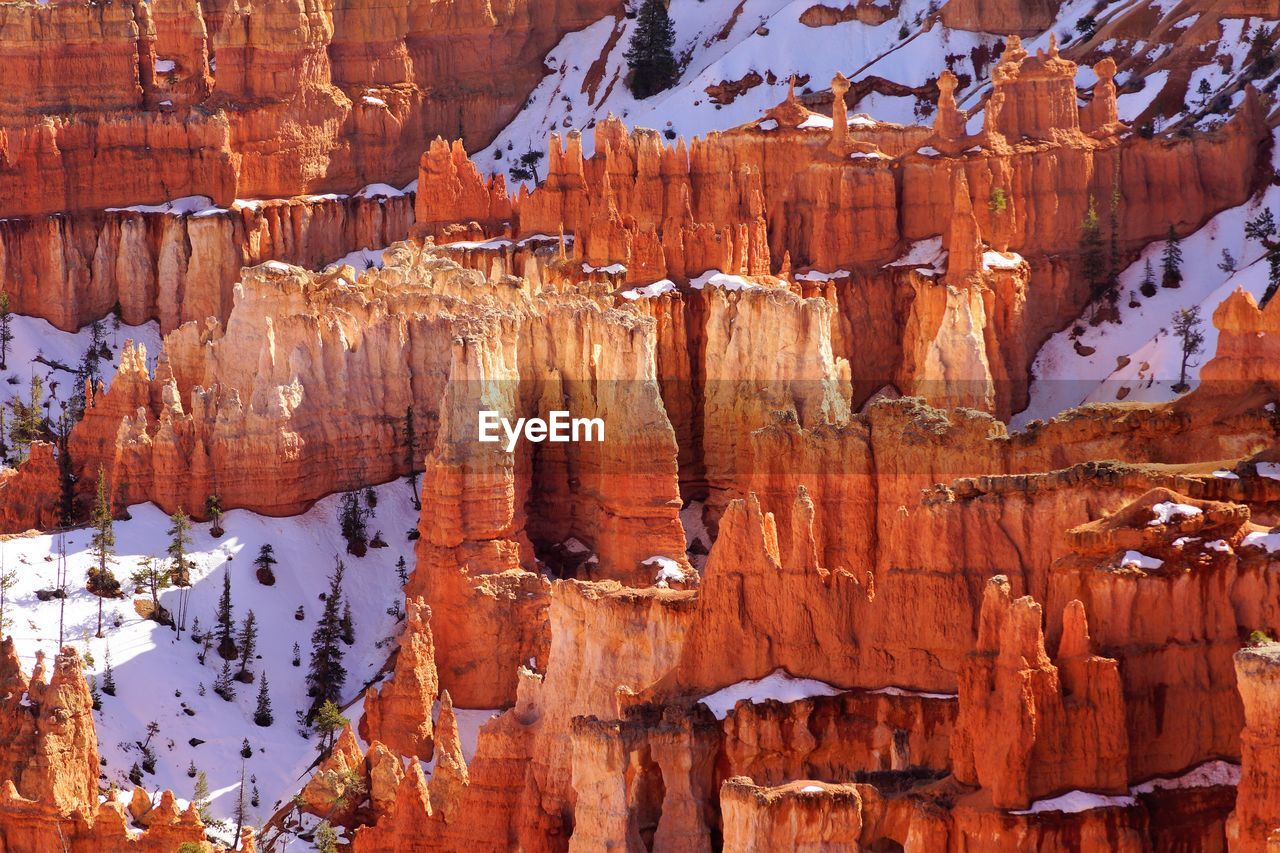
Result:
<point x="347" y="627"/>
<point x="28" y="421"/>
<point x="150" y="579"/>
<point x="192" y="770"/>
<point x="222" y="684"/>
<point x="213" y="507"/>
<point x="1205" y="91"/>
<point x="135" y="775"/>
<point x="1148" y="285"/>
<point x="8" y="580"/>
<point x="264" y="561"/>
<point x="254" y="799"/>
<point x="326" y="839"/>
<point x="1187" y="328"/>
<point x="262" y="715"/>
<point x="297" y="655"/>
<point x="1262" y="228"/>
<point x="1093" y="265"/>
<point x="650" y="57"/>
<point x="179" y="541"/>
<point x="240" y="811"/>
<point x="246" y="751"/>
<point x="226" y="622"/>
<point x="328" y="721"/>
<point x="411" y="456"/>
<point x="200" y="797"/>
<point x="102" y="582"/>
<point x="108" y="676"/>
<point x="326" y="676"/>
<point x="94" y="694"/>
<point x="1228" y="262"/>
<point x="353" y="517"/>
<point x="6" y="330"/>
<point x="1171" y="263"/>
<point x="248" y="642"/>
<point x="402" y="571"/>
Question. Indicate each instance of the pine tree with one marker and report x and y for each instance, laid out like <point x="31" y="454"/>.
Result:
<point x="297" y="655"/>
<point x="248" y="642"/>
<point x="1205" y="91"/>
<point x="402" y="571"/>
<point x="200" y="797"/>
<point x="246" y="751"/>
<point x="328" y="720"/>
<point x="326" y="676"/>
<point x="1187" y="328"/>
<point x="326" y="839"/>
<point x="150" y="579"/>
<point x="226" y="622"/>
<point x="240" y="812"/>
<point x="264" y="561"/>
<point x="6" y="330"/>
<point x="1148" y="285"/>
<point x="8" y="580"/>
<point x="353" y="517"/>
<point x="191" y="770"/>
<point x="347" y="627"/>
<point x="254" y="799"/>
<point x="1093" y="264"/>
<point x="411" y="456"/>
<point x="650" y="57"/>
<point x="1171" y="263"/>
<point x="135" y="775"/>
<point x="213" y="507"/>
<point x="179" y="542"/>
<point x="262" y="715"/>
<point x="108" y="676"/>
<point x="222" y="684"/>
<point x="94" y="695"/>
<point x="102" y="582"/>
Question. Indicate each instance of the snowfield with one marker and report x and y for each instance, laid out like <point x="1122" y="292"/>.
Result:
<point x="158" y="677"/>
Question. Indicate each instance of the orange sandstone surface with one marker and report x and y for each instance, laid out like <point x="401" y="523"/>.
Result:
<point x="966" y="638"/>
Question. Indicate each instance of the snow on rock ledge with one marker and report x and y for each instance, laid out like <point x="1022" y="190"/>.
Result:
<point x="778" y="685"/>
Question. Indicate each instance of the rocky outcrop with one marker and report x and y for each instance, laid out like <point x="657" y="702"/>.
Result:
<point x="1256" y="819"/>
<point x="1028" y="728"/>
<point x="398" y="712"/>
<point x="49" y="768"/>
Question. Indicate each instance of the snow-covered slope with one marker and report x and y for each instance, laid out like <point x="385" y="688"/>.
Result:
<point x="1137" y="359"/>
<point x="723" y="41"/>
<point x="158" y="676"/>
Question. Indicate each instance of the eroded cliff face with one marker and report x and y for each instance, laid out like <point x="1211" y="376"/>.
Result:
<point x="177" y="267"/>
<point x="967" y="638"/>
<point x="237" y="100"/>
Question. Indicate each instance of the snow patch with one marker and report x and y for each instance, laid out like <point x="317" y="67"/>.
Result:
<point x="658" y="288"/>
<point x="778" y="685"/>
<point x="1077" y="801"/>
<point x="1137" y="559"/>
<point x="1166" y="512"/>
<point x="715" y="278"/>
